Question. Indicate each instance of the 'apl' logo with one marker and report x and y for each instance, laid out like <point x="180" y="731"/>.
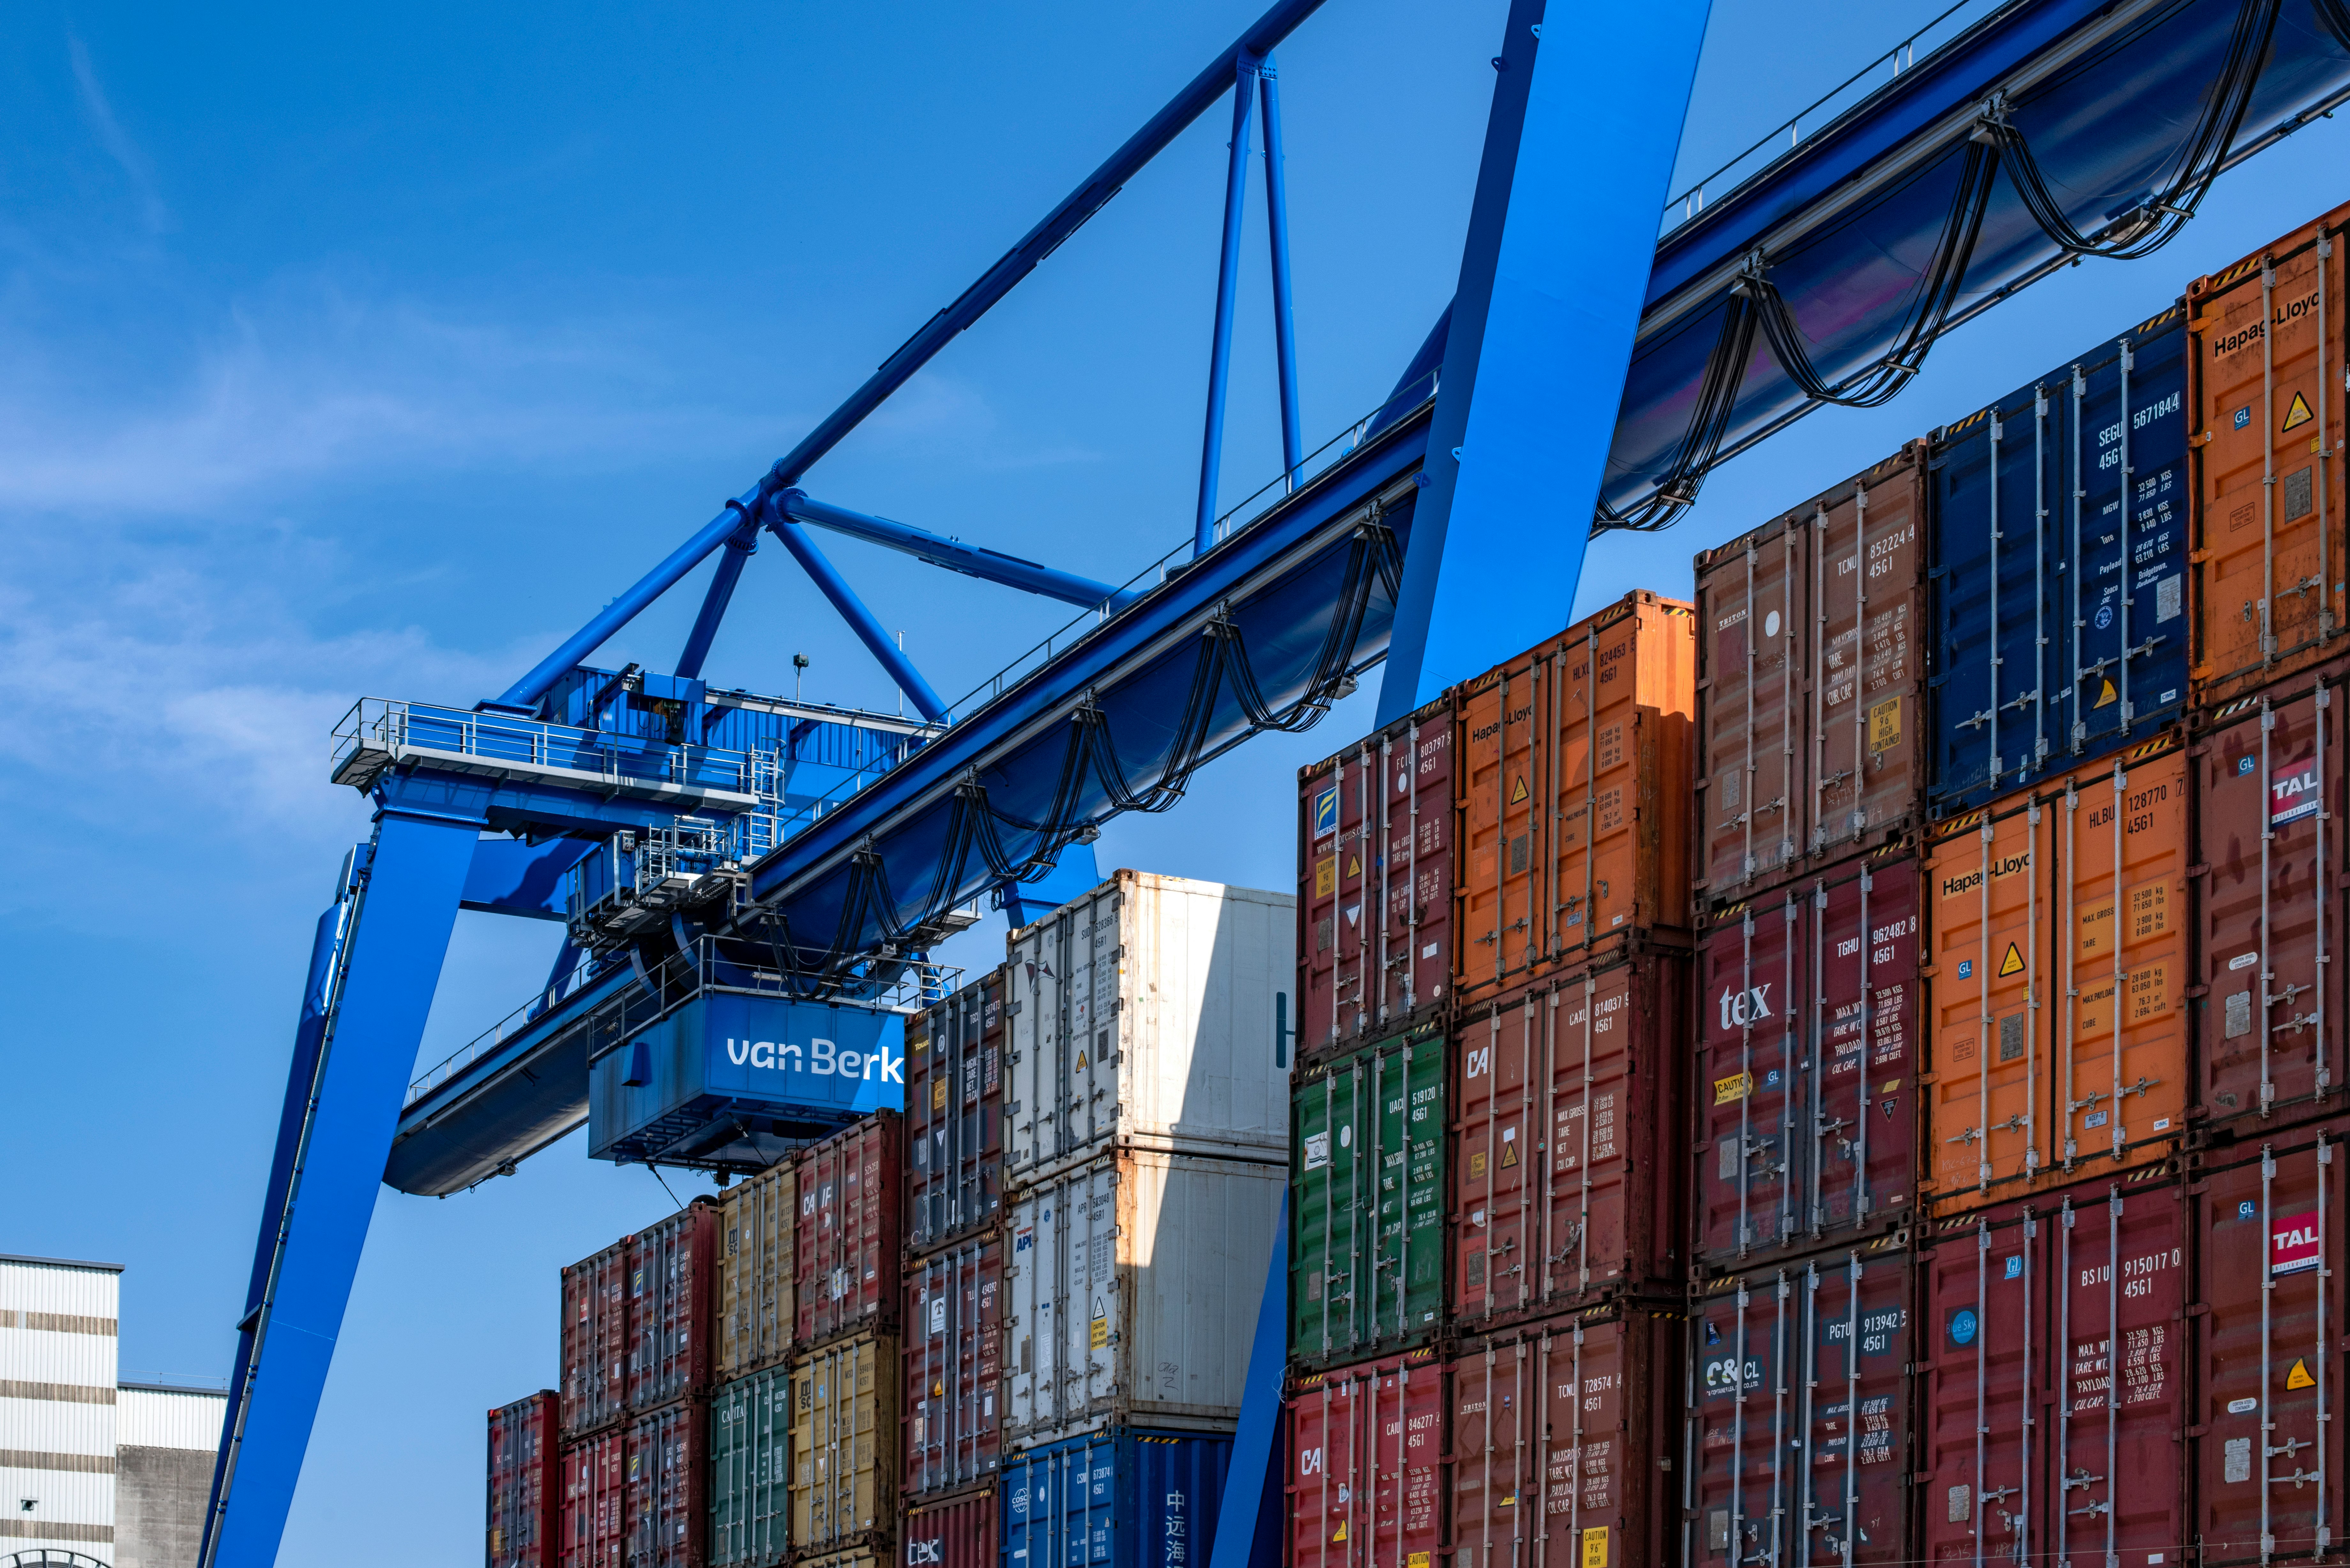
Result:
<point x="2292" y="1243"/>
<point x="2294" y="794"/>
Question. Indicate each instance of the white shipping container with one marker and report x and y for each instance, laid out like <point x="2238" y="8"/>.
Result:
<point x="1131" y="1293"/>
<point x="1144" y="1016"/>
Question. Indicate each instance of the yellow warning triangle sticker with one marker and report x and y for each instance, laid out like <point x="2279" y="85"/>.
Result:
<point x="1342" y="1532"/>
<point x="2299" y="1377"/>
<point x="1081" y="1061"/>
<point x="1509" y="1155"/>
<point x="938" y="1388"/>
<point x="1354" y="864"/>
<point x="2012" y="964"/>
<point x="2298" y="414"/>
<point x="2106" y="698"/>
<point x="1519" y="793"/>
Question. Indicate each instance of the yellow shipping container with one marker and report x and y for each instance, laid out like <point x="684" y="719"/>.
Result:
<point x="844" y="1442"/>
<point x="755" y="1306"/>
<point x="2059" y="1046"/>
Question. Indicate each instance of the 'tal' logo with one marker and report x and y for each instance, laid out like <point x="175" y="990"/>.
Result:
<point x="2293" y="1242"/>
<point x="2294" y="793"/>
<point x="1740" y="1008"/>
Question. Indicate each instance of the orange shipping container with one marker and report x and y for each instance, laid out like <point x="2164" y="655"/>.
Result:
<point x="1574" y="774"/>
<point x="2031" y="1084"/>
<point x="2266" y="341"/>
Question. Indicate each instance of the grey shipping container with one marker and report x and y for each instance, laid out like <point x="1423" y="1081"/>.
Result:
<point x="1131" y="1293"/>
<point x="1144" y="1016"/>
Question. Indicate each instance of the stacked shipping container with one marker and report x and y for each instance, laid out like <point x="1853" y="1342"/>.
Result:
<point x="1486" y="1270"/>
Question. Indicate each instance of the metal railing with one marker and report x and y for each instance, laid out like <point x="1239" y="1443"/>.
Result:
<point x="709" y="965"/>
<point x="378" y="730"/>
<point x="1787" y="137"/>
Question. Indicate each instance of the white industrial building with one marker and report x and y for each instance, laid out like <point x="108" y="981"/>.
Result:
<point x="93" y="1470"/>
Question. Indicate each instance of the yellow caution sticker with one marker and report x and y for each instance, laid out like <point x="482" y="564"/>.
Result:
<point x="1731" y="1090"/>
<point x="1595" y="1547"/>
<point x="1098" y="1333"/>
<point x="1518" y="795"/>
<point x="2107" y="697"/>
<point x="1477" y="1164"/>
<point x="1341" y="1536"/>
<point x="1418" y="1560"/>
<point x="2299" y="1377"/>
<point x="1885" y="726"/>
<point x="1081" y="1061"/>
<point x="1326" y="875"/>
<point x="2012" y="964"/>
<point x="938" y="1388"/>
<point x="2298" y="414"/>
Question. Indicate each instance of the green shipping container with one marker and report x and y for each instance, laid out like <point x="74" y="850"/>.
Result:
<point x="751" y="1471"/>
<point x="1367" y="1194"/>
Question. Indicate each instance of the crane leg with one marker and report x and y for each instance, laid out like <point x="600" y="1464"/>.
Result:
<point x="373" y="971"/>
<point x="1553" y="274"/>
<point x="1249" y="1525"/>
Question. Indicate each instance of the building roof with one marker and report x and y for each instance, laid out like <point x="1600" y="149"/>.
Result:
<point x="60" y="1262"/>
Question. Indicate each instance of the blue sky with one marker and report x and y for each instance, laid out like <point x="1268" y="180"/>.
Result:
<point x="366" y="354"/>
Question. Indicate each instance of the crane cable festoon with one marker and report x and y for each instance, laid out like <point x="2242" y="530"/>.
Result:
<point x="1753" y="302"/>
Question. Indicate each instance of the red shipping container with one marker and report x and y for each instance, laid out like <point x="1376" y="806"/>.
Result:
<point x="1556" y="1427"/>
<point x="1375" y="880"/>
<point x="847" y="1243"/>
<point x="1802" y="1400"/>
<point x="2266" y="1346"/>
<point x="2051" y="1376"/>
<point x="1565" y="1180"/>
<point x="668" y="1487"/>
<point x="954" y="1336"/>
<point x="595" y="1340"/>
<point x="526" y="1482"/>
<point x="1366" y="1451"/>
<point x="960" y="1533"/>
<point x="596" y="1501"/>
<point x="1811" y="712"/>
<point x="954" y="1115"/>
<point x="1801" y="1147"/>
<point x="2268" y="810"/>
<point x="674" y="1307"/>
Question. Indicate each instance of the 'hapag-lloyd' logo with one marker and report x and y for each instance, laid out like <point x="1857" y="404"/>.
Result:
<point x="821" y="1057"/>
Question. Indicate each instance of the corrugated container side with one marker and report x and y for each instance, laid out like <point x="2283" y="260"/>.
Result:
<point x="1566" y="1169"/>
<point x="2266" y="341"/>
<point x="2265" y="1348"/>
<point x="954" y="1117"/>
<point x="2058" y="552"/>
<point x="1116" y="1499"/>
<point x="961" y="1531"/>
<point x="596" y="1501"/>
<point x="844" y="1557"/>
<point x="848" y="1243"/>
<point x="669" y="1503"/>
<point x="1799" y="1426"/>
<point x="1574" y="773"/>
<point x="672" y="1310"/>
<point x="955" y="1367"/>
<point x="2052" y="1382"/>
<point x="757" y="1315"/>
<point x="2059" y="1037"/>
<point x="1810" y="1011"/>
<point x="594" y="1339"/>
<point x="525" y="1502"/>
<point x="1811" y="712"/>
<point x="2268" y="808"/>
<point x="1556" y="1428"/>
<point x="751" y="1470"/>
<point x="1367" y="1251"/>
<point x="845" y="1437"/>
<point x="1125" y="1300"/>
<point x="1144" y="1016"/>
<point x="1369" y="1446"/>
<point x="1375" y="879"/>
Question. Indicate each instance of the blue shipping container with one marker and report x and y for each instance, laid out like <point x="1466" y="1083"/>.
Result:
<point x="1122" y="1499"/>
<point x="2056" y="560"/>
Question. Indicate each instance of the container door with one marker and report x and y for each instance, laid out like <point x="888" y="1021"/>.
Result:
<point x="1587" y="1206"/>
<point x="1416" y="866"/>
<point x="1052" y="981"/>
<point x="1615" y="864"/>
<point x="1321" y="822"/>
<point x="1094" y="1318"/>
<point x="1548" y="1474"/>
<point x="1366" y="1485"/>
<point x="1867" y="555"/>
<point x="1757" y="610"/>
<point x="1990" y="1048"/>
<point x="2268" y="1458"/>
<point x="2267" y="379"/>
<point x="1751" y="1176"/>
<point x="1350" y="940"/>
<point x="1035" y="1287"/>
<point x="2270" y="791"/>
<point x="1505" y="820"/>
<point x="1506" y="1089"/>
<point x="1332" y="1177"/>
<point x="1985" y="1369"/>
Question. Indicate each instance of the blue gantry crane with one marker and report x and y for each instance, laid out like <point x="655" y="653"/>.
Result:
<point x="776" y="873"/>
